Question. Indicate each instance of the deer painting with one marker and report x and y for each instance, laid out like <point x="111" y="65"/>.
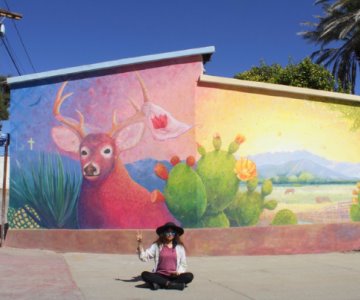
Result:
<point x="109" y="198"/>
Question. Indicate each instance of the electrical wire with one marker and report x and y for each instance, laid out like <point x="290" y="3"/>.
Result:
<point x="7" y="41"/>
<point x="12" y="57"/>
<point x="21" y="39"/>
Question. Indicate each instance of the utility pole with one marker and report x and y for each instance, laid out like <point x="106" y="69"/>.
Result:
<point x="9" y="14"/>
<point x="5" y="138"/>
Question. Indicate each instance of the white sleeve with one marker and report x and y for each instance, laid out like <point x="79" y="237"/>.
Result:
<point x="182" y="265"/>
<point x="147" y="254"/>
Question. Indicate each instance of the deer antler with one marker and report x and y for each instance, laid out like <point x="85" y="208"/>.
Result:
<point x="137" y="117"/>
<point x="77" y="127"/>
<point x="143" y="88"/>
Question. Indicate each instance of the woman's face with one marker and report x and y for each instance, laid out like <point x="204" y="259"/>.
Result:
<point x="169" y="234"/>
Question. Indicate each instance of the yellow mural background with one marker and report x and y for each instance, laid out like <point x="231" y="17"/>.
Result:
<point x="274" y="124"/>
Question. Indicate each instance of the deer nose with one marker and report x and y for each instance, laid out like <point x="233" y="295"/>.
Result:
<point x="90" y="170"/>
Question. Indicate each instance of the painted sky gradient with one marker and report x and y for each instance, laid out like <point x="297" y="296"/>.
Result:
<point x="274" y="124"/>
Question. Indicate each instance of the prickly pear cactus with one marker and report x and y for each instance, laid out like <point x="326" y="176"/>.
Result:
<point x="198" y="197"/>
<point x="355" y="207"/>
<point x="284" y="217"/>
<point x="218" y="220"/>
<point x="247" y="206"/>
<point x="217" y="171"/>
<point x="184" y="191"/>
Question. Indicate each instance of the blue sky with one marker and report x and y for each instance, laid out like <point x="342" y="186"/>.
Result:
<point x="68" y="33"/>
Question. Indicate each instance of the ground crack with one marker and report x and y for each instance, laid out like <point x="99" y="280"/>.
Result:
<point x="231" y="289"/>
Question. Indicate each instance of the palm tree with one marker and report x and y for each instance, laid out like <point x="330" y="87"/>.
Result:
<point x="338" y="34"/>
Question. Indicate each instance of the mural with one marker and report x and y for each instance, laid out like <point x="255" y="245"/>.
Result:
<point x="92" y="146"/>
<point x="306" y="153"/>
<point x="139" y="148"/>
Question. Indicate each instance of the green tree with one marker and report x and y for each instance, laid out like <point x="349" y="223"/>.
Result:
<point x="303" y="74"/>
<point x="306" y="177"/>
<point x="337" y="33"/>
<point x="4" y="99"/>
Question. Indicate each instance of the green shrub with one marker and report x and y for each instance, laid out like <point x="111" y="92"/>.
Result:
<point x="49" y="187"/>
<point x="284" y="217"/>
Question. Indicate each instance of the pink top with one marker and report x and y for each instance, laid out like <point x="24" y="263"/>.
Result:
<point x="167" y="261"/>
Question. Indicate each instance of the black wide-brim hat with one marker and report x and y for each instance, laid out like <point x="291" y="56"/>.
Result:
<point x="168" y="225"/>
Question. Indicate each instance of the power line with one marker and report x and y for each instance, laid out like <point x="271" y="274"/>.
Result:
<point x="9" y="51"/>
<point x="21" y="39"/>
<point x="7" y="41"/>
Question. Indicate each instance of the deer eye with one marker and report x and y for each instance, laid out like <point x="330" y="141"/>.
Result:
<point x="107" y="151"/>
<point x="84" y="151"/>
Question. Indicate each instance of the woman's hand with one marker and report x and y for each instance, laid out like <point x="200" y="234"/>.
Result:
<point x="139" y="240"/>
<point x="139" y="236"/>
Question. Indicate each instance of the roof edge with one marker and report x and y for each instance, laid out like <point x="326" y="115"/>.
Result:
<point x="206" y="52"/>
<point x="262" y="86"/>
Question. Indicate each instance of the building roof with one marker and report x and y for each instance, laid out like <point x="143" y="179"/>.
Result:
<point x="278" y="89"/>
<point x="205" y="52"/>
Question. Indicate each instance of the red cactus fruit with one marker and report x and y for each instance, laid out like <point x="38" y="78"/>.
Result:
<point x="157" y="196"/>
<point x="175" y="160"/>
<point x="190" y="161"/>
<point x="239" y="139"/>
<point x="161" y="171"/>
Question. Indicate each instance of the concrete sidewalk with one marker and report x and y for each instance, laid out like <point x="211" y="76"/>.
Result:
<point x="38" y="274"/>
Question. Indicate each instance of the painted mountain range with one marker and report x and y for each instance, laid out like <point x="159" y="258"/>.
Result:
<point x="293" y="163"/>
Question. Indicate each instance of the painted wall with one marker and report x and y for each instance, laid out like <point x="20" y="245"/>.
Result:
<point x="84" y="151"/>
<point x="155" y="146"/>
<point x="306" y="155"/>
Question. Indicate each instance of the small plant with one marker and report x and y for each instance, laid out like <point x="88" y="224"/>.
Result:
<point x="284" y="217"/>
<point x="47" y="190"/>
<point x="355" y="207"/>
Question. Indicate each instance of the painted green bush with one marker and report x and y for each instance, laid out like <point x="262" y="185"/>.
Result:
<point x="284" y="217"/>
<point x="47" y="186"/>
<point x="246" y="208"/>
<point x="355" y="207"/>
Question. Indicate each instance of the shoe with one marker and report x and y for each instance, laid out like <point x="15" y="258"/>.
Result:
<point x="175" y="286"/>
<point x="154" y="286"/>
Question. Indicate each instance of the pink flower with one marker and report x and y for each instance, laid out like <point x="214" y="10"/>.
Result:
<point x="159" y="121"/>
<point x="162" y="124"/>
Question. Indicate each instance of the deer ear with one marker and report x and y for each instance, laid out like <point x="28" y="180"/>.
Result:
<point x="130" y="136"/>
<point x="66" y="139"/>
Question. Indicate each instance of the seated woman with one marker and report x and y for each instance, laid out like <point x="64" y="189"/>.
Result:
<point x="168" y="252"/>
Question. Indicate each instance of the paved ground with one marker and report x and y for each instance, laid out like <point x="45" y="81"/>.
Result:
<point x="37" y="274"/>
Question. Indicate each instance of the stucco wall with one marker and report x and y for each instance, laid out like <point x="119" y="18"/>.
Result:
<point x="157" y="145"/>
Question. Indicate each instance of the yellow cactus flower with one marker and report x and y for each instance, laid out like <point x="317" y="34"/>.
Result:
<point x="245" y="169"/>
<point x="355" y="192"/>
